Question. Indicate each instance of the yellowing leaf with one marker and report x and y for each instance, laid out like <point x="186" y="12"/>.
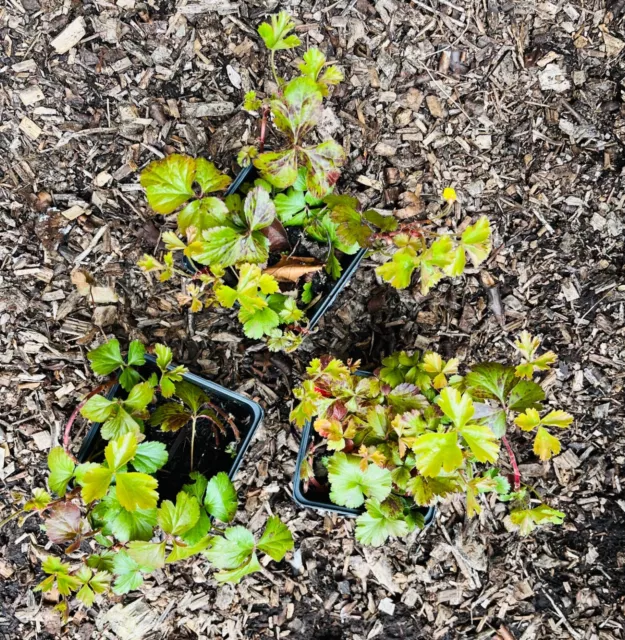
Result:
<point x="475" y="240"/>
<point x="546" y="445"/>
<point x="527" y="345"/>
<point x="40" y="500"/>
<point x="436" y="451"/>
<point x="322" y="164"/>
<point x="120" y="451"/>
<point x="528" y="420"/>
<point x="398" y="272"/>
<point x="526" y="520"/>
<point x="208" y="176"/>
<point x="201" y="214"/>
<point x="136" y="490"/>
<point x="438" y="256"/>
<point x="458" y="408"/>
<point x="169" y="182"/>
<point x="95" y="483"/>
<point x="560" y="419"/>
<point x="279" y="168"/>
<point x="433" y="363"/>
<point x="258" y="209"/>
<point x="482" y="442"/>
<point x="297" y="111"/>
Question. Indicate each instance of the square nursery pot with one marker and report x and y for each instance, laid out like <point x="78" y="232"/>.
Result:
<point x="349" y="263"/>
<point x="209" y="458"/>
<point x="315" y="500"/>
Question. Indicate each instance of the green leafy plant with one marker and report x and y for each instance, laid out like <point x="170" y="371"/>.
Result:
<point x="295" y="188"/>
<point x="417" y="431"/>
<point x="115" y="503"/>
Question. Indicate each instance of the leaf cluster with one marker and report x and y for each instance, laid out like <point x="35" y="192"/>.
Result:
<point x="417" y="431"/>
<point x="446" y="255"/>
<point x="116" y="501"/>
<point x="295" y="188"/>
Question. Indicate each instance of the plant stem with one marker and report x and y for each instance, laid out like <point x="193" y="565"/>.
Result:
<point x="68" y="427"/>
<point x="273" y="68"/>
<point x="227" y="418"/>
<point x="263" y="129"/>
<point x="193" y="439"/>
<point x="9" y="518"/>
<point x="515" y="468"/>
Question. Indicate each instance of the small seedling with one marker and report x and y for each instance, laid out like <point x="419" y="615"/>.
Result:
<point x="416" y="431"/>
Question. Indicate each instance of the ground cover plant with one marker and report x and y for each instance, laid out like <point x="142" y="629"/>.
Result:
<point x="241" y="246"/>
<point x="417" y="431"/>
<point x="109" y="514"/>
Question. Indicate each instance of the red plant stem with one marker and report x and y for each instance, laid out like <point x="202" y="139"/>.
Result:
<point x="227" y="418"/>
<point x="68" y="427"/>
<point x="515" y="468"/>
<point x="263" y="129"/>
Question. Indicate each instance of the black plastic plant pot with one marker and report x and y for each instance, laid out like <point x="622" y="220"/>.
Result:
<point x="349" y="263"/>
<point x="314" y="498"/>
<point x="213" y="452"/>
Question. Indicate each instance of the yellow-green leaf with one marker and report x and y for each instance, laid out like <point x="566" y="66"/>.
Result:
<point x="61" y="470"/>
<point x="169" y="182"/>
<point x="476" y="240"/>
<point x="277" y="33"/>
<point x="95" y="483"/>
<point x="179" y="518"/>
<point x="558" y="418"/>
<point x="208" y="176"/>
<point x="458" y="408"/>
<point x="546" y="445"/>
<point x="398" y="272"/>
<point x="482" y="442"/>
<point x="120" y="451"/>
<point x="436" y="451"/>
<point x="528" y="420"/>
<point x="136" y="491"/>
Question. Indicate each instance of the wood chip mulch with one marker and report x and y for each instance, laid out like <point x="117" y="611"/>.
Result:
<point x="520" y="105"/>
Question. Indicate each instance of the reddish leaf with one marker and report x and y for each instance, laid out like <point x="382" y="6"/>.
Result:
<point x="338" y="411"/>
<point x="277" y="236"/>
<point x="65" y="523"/>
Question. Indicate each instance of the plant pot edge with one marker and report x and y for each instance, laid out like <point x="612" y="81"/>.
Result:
<point x="256" y="411"/>
<point x="300" y="499"/>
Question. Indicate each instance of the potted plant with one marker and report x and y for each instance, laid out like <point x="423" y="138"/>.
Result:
<point x="393" y="443"/>
<point x="153" y="482"/>
<point x="281" y="244"/>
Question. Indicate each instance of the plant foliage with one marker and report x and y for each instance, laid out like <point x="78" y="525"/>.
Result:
<point x="417" y="431"/>
<point x="116" y="501"/>
<point x="295" y="188"/>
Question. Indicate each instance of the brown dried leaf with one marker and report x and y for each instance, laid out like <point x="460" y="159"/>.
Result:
<point x="291" y="269"/>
